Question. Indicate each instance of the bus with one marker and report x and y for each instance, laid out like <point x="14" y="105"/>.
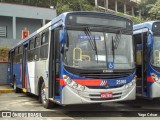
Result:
<point x="147" y="49"/>
<point x="77" y="58"/>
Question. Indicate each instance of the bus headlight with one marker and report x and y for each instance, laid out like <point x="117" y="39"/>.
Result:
<point x="82" y="88"/>
<point x="73" y="84"/>
<point x="131" y="83"/>
<point x="69" y="81"/>
<point x="127" y="86"/>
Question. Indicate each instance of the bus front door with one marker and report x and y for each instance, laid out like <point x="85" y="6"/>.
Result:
<point x="54" y="74"/>
<point x="141" y="63"/>
<point x="24" y="68"/>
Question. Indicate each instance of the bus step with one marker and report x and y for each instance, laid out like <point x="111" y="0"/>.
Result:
<point x="138" y="89"/>
<point x="138" y="82"/>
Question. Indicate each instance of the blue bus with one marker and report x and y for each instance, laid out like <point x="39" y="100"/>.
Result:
<point x="147" y="47"/>
<point x="77" y="58"/>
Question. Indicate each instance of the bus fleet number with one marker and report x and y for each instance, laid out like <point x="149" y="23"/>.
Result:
<point x="118" y="82"/>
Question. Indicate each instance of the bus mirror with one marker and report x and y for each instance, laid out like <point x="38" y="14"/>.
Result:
<point x="62" y="36"/>
<point x="149" y="40"/>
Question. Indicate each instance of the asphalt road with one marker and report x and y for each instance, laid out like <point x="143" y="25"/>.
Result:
<point x="21" y="102"/>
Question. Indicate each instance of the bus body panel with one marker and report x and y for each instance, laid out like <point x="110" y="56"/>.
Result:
<point x="17" y="73"/>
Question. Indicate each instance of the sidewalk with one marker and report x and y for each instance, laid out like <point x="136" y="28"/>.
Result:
<point x="6" y="89"/>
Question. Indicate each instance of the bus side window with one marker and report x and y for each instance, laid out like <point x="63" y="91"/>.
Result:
<point x="37" y="49"/>
<point x="44" y="46"/>
<point x="31" y="44"/>
<point x="31" y="50"/>
<point x="15" y="55"/>
<point x="37" y="41"/>
<point x="20" y="52"/>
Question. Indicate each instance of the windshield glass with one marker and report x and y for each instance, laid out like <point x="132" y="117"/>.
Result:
<point x="155" y="58"/>
<point x="96" y="50"/>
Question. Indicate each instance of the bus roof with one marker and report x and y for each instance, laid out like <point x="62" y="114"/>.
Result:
<point x="61" y="17"/>
<point x="144" y="25"/>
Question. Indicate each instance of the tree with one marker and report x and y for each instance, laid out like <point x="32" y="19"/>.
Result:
<point x="145" y="6"/>
<point x="70" y="5"/>
<point x="154" y="10"/>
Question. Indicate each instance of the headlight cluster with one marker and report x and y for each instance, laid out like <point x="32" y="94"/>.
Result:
<point x="131" y="83"/>
<point x="155" y="77"/>
<point x="73" y="84"/>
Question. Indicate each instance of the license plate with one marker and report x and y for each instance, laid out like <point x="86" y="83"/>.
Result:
<point x="107" y="95"/>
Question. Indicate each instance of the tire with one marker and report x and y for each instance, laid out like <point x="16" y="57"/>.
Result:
<point x="17" y="90"/>
<point x="45" y="102"/>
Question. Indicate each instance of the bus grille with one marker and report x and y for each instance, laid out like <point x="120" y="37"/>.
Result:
<point x="103" y="87"/>
<point x="113" y="75"/>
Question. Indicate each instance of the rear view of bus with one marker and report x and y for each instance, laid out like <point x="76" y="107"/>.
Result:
<point x="97" y="59"/>
<point x="147" y="46"/>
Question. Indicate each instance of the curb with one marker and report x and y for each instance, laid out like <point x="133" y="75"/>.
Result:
<point x="6" y="91"/>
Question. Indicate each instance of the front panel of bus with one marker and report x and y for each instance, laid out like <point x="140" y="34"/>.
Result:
<point x="97" y="59"/>
<point x="153" y="79"/>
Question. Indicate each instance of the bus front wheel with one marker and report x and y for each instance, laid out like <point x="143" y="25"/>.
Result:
<point x="46" y="102"/>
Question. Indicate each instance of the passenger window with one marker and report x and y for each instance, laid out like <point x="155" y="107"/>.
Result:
<point x="37" y="41"/>
<point x="31" y="44"/>
<point x="16" y="51"/>
<point x="45" y="37"/>
<point x="20" y="49"/>
<point x="44" y="47"/>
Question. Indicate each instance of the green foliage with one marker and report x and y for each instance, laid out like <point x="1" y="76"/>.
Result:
<point x="150" y="9"/>
<point x="70" y="5"/>
<point x="154" y="10"/>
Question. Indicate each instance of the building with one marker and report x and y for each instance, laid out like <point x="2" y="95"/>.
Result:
<point x="124" y="6"/>
<point x="16" y="18"/>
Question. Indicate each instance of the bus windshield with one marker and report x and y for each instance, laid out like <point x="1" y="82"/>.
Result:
<point x="96" y="50"/>
<point x="155" y="58"/>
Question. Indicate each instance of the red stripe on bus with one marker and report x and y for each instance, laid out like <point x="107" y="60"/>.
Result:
<point x="88" y="82"/>
<point x="83" y="82"/>
<point x="150" y="79"/>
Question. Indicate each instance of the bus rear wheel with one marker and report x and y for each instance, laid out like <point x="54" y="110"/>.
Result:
<point x="45" y="102"/>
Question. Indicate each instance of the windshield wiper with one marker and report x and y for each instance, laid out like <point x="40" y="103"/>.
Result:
<point x="113" y="48"/>
<point x="117" y="39"/>
<point x="115" y="42"/>
<point x="92" y="40"/>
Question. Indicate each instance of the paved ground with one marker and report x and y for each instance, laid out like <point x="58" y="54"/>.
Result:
<point x="22" y="102"/>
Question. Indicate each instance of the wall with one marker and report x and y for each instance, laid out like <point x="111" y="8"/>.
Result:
<point x="7" y="21"/>
<point x="3" y="73"/>
<point x="31" y="24"/>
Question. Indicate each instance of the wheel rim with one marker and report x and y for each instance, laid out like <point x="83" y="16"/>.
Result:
<point x="43" y="95"/>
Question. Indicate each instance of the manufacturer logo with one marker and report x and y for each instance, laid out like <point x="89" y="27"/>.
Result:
<point x="6" y="114"/>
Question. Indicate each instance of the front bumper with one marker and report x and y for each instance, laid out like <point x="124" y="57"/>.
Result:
<point x="73" y="96"/>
